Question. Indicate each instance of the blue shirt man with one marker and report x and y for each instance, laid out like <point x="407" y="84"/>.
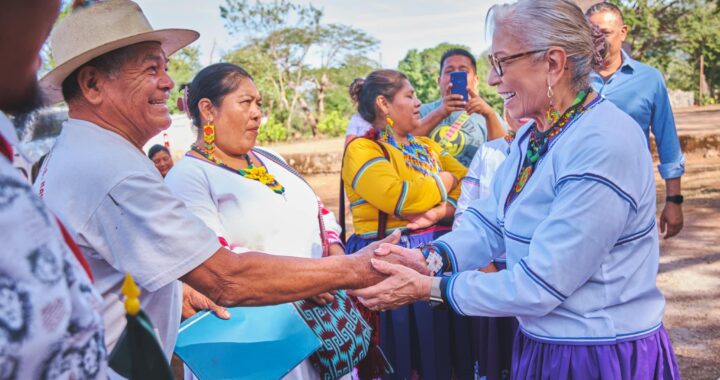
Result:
<point x="640" y="91"/>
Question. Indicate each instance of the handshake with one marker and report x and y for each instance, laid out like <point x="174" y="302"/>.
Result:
<point x="392" y="276"/>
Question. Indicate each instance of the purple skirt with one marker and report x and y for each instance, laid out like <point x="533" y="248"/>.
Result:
<point x="649" y="357"/>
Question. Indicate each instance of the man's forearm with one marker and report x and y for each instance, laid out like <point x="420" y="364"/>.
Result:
<point x="429" y="122"/>
<point x="252" y="278"/>
<point x="673" y="186"/>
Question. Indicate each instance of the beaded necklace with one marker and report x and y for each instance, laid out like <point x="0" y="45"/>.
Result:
<point x="256" y="173"/>
<point x="416" y="155"/>
<point x="540" y="141"/>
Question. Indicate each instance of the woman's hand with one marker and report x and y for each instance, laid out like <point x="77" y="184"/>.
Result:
<point x="423" y="219"/>
<point x="448" y="180"/>
<point x="324" y="298"/>
<point x="403" y="286"/>
<point x="194" y="302"/>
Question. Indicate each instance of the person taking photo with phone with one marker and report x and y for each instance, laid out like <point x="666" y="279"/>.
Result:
<point x="460" y="126"/>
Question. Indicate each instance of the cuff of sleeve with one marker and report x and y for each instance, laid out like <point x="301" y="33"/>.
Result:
<point x="671" y="170"/>
<point x="446" y="287"/>
<point x="441" y="187"/>
<point x="452" y="202"/>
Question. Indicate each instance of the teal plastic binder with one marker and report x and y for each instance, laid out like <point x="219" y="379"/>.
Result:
<point x="263" y="342"/>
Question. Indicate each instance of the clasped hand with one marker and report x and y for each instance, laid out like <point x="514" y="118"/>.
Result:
<point x="406" y="280"/>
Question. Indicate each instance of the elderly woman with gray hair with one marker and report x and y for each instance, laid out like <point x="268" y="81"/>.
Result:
<point x="575" y="216"/>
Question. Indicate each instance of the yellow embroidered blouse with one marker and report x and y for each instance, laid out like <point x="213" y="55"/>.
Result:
<point x="372" y="183"/>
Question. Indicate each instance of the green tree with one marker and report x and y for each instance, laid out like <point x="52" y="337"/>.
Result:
<point x="423" y="69"/>
<point x="182" y="68"/>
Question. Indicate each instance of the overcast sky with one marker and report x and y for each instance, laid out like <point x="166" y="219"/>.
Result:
<point x="399" y="25"/>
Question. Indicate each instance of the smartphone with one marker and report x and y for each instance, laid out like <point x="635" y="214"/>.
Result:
<point x="459" y="83"/>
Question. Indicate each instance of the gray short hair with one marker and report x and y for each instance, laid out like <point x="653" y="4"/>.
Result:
<point x="541" y="24"/>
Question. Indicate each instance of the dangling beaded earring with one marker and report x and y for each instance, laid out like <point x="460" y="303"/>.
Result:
<point x="552" y="114"/>
<point x="387" y="133"/>
<point x="209" y="137"/>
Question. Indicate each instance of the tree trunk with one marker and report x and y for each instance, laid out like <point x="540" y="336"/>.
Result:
<point x="321" y="92"/>
<point x="310" y="119"/>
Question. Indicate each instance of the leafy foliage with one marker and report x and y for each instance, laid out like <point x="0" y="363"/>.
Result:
<point x="182" y="68"/>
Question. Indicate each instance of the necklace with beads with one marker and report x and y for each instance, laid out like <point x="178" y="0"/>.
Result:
<point x="256" y="173"/>
<point x="540" y="142"/>
<point x="417" y="156"/>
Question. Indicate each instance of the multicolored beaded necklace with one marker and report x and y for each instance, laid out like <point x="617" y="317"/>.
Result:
<point x="417" y="156"/>
<point x="257" y="173"/>
<point x="540" y="141"/>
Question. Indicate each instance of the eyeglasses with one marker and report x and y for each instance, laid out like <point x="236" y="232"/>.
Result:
<point x="497" y="62"/>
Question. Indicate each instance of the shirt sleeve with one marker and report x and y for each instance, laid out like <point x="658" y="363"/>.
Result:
<point x="672" y="160"/>
<point x="375" y="180"/>
<point x="141" y="228"/>
<point x="585" y="222"/>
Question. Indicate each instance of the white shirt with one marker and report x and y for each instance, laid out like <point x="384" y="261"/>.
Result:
<point x="476" y="183"/>
<point x="250" y="216"/>
<point x="50" y="322"/>
<point x="358" y="126"/>
<point x="126" y="220"/>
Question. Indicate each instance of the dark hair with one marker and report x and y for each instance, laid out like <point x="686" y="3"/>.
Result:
<point x="354" y="88"/>
<point x="214" y="83"/>
<point x="605" y="7"/>
<point x="458" y="51"/>
<point x="107" y="63"/>
<point x="384" y="83"/>
<point x="157" y="148"/>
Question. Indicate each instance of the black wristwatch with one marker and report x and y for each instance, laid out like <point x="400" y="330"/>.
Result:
<point x="677" y="199"/>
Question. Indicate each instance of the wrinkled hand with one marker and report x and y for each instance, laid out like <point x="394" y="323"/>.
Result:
<point x="477" y="105"/>
<point x="324" y="298"/>
<point x="361" y="261"/>
<point x="411" y="258"/>
<point x="403" y="286"/>
<point x="671" y="219"/>
<point x="194" y="302"/>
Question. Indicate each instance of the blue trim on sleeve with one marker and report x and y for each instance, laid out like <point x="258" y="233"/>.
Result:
<point x="471" y="180"/>
<point x="600" y="179"/>
<point x="485" y="221"/>
<point x="533" y="276"/>
<point x="364" y="168"/>
<point x="358" y="202"/>
<point x="441" y="187"/>
<point x="518" y="238"/>
<point x="452" y="202"/>
<point x="401" y="199"/>
<point x="447" y="253"/>
<point x="636" y="235"/>
<point x="449" y="294"/>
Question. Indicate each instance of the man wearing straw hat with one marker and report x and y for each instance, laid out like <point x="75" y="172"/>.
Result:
<point x="50" y="322"/>
<point x="111" y="71"/>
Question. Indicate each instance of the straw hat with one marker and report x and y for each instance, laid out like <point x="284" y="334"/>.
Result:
<point x="96" y="28"/>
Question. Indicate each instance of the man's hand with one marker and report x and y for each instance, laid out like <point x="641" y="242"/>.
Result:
<point x="451" y="103"/>
<point x="671" y="219"/>
<point x="361" y="260"/>
<point x="194" y="302"/>
<point x="411" y="258"/>
<point x="477" y="105"/>
<point x="403" y="286"/>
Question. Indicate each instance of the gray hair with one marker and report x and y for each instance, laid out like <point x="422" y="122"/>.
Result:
<point x="541" y="24"/>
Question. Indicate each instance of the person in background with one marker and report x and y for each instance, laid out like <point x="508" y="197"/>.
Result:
<point x="639" y="90"/>
<point x="271" y="210"/>
<point x="395" y="181"/>
<point x="576" y="218"/>
<point x="459" y="127"/>
<point x="51" y="325"/>
<point x="160" y="156"/>
<point x="357" y="125"/>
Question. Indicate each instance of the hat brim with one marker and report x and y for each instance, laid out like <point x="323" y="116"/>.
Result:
<point x="171" y="41"/>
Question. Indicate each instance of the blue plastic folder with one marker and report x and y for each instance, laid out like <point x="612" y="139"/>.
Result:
<point x="263" y="342"/>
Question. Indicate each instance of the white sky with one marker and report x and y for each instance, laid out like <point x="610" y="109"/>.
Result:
<point x="399" y="25"/>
